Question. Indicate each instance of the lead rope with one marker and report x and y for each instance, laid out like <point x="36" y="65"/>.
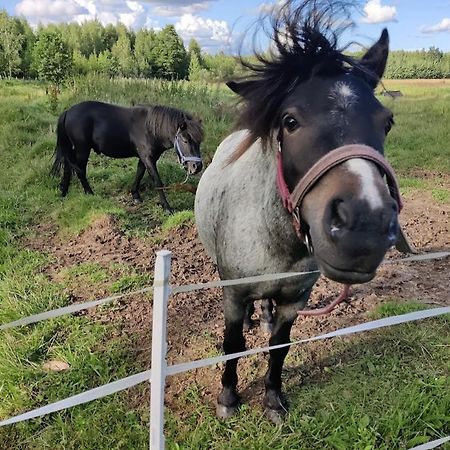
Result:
<point x="326" y="310"/>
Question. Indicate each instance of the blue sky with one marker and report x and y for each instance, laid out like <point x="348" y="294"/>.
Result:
<point x="218" y="24"/>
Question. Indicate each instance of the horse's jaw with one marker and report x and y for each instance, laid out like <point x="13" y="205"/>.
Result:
<point x="343" y="275"/>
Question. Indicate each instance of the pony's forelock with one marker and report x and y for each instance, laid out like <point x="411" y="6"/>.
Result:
<point x="304" y="36"/>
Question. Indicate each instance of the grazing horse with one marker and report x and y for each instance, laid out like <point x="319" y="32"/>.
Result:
<point x="143" y="131"/>
<point x="299" y="186"/>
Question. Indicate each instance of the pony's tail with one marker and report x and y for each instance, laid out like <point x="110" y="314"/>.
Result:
<point x="63" y="146"/>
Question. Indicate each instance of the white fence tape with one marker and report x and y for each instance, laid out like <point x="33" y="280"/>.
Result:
<point x="192" y="287"/>
<point x="125" y="383"/>
<point x="432" y="444"/>
<point x="69" y="309"/>
<point x="85" y="397"/>
<point x="238" y="281"/>
<point x="367" y="326"/>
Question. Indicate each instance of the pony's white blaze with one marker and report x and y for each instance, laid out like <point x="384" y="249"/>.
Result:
<point x="343" y="94"/>
<point x="370" y="190"/>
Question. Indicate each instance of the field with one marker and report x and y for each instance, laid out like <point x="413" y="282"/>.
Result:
<point x="381" y="390"/>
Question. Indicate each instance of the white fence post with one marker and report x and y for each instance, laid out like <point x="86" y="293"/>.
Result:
<point x="161" y="294"/>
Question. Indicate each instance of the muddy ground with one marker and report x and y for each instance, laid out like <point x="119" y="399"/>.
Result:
<point x="195" y="320"/>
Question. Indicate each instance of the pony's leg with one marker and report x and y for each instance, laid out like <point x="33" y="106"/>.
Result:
<point x="249" y="310"/>
<point x="267" y="315"/>
<point x="233" y="341"/>
<point x="82" y="156"/>
<point x="137" y="181"/>
<point x="274" y="402"/>
<point x="65" y="181"/>
<point x="153" y="171"/>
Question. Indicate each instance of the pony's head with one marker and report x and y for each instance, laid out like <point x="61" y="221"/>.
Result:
<point x="187" y="145"/>
<point x="310" y="100"/>
<point x="182" y="130"/>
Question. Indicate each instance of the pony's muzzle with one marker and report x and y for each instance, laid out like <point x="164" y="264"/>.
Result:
<point x="347" y="216"/>
<point x="194" y="167"/>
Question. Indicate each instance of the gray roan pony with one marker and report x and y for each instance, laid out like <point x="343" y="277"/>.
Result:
<point x="300" y="186"/>
<point x="143" y="131"/>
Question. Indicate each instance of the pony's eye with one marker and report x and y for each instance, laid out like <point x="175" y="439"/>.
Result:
<point x="389" y="125"/>
<point x="290" y="123"/>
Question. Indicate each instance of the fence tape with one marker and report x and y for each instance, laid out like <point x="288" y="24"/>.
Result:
<point x="69" y="309"/>
<point x="238" y="281"/>
<point x="192" y="287"/>
<point x="80" y="399"/>
<point x="421" y="257"/>
<point x="133" y="380"/>
<point x="432" y="444"/>
<point x="367" y="326"/>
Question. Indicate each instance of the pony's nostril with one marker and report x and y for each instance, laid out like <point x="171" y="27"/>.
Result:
<point x="339" y="218"/>
<point x="339" y="214"/>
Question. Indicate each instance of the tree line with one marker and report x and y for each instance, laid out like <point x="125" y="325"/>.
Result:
<point x="54" y="51"/>
<point x="114" y="50"/>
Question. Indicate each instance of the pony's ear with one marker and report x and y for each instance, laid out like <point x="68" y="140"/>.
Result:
<point x="375" y="60"/>
<point x="242" y="87"/>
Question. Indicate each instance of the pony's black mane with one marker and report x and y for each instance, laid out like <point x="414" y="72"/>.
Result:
<point x="304" y="36"/>
<point x="164" y="120"/>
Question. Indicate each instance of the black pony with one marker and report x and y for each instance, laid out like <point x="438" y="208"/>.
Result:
<point x="143" y="131"/>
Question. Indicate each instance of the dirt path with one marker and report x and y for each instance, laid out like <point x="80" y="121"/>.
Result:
<point x="195" y="320"/>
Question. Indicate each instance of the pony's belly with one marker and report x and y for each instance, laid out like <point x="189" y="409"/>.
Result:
<point x="116" y="149"/>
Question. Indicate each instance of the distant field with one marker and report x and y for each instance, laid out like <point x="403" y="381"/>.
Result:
<point x="388" y="390"/>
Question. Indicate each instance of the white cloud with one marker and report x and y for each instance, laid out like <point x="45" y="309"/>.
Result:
<point x="46" y="11"/>
<point x="136" y="17"/>
<point x="442" y="26"/>
<point x="132" y="13"/>
<point x="209" y="33"/>
<point x="180" y="10"/>
<point x="375" y="12"/>
<point x="273" y="7"/>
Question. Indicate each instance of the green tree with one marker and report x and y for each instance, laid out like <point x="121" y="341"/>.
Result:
<point x="143" y="52"/>
<point x="122" y="52"/>
<point x="52" y="58"/>
<point x="110" y="37"/>
<point x="92" y="40"/>
<point x="10" y="45"/>
<point x="26" y="53"/>
<point x="170" y="55"/>
<point x="194" y="49"/>
<point x="196" y="72"/>
<point x="222" y="66"/>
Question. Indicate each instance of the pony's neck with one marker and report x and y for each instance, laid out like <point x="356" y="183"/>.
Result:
<point x="277" y="219"/>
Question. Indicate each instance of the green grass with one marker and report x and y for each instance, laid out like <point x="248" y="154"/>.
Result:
<point x="421" y="133"/>
<point x="385" y="390"/>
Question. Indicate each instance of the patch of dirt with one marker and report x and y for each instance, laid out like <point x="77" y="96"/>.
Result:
<point x="195" y="320"/>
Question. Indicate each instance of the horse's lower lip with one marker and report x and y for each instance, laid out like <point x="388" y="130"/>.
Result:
<point x="344" y="275"/>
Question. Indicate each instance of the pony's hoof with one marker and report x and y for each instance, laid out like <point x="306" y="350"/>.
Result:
<point x="276" y="416"/>
<point x="136" y="197"/>
<point x="225" y="412"/>
<point x="275" y="406"/>
<point x="266" y="327"/>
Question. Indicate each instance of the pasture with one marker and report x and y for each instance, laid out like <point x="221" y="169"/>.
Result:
<point x="382" y="390"/>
